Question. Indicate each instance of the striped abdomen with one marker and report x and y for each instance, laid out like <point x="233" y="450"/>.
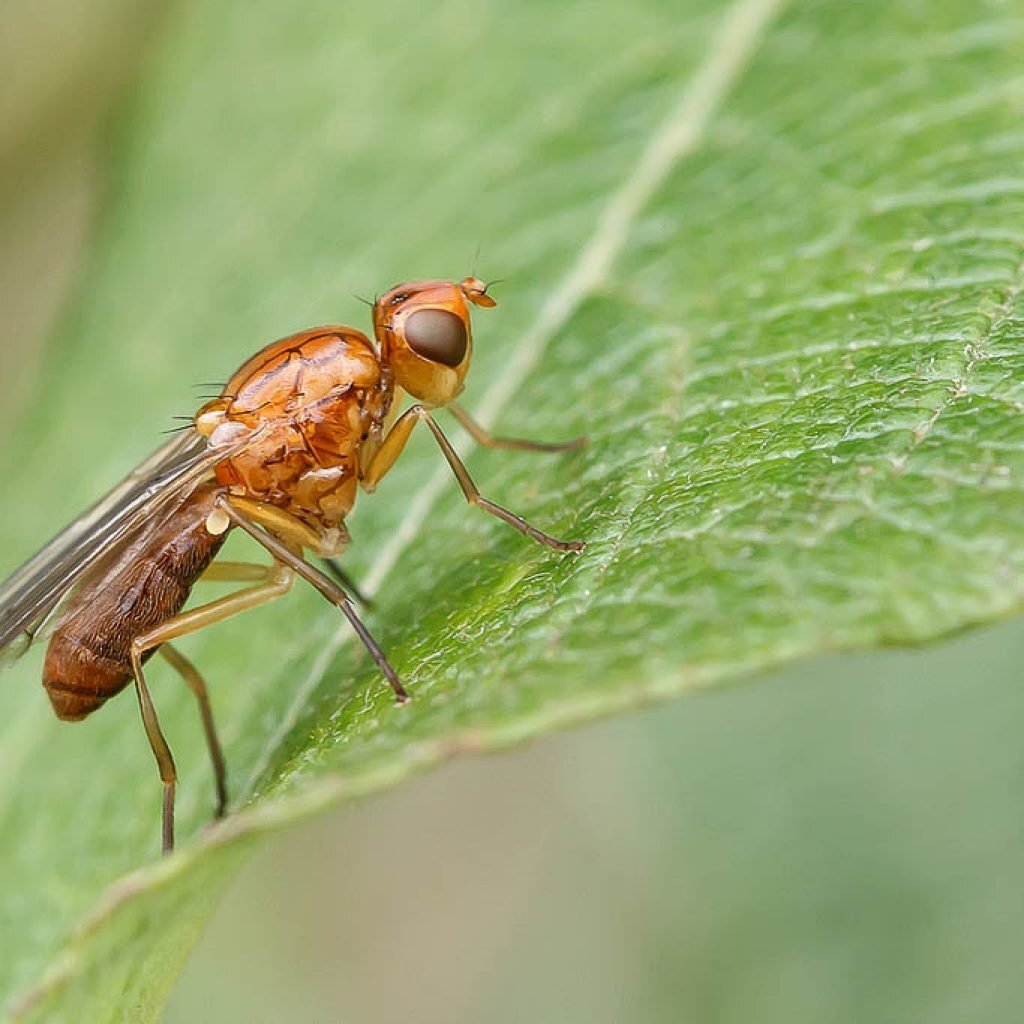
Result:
<point x="89" y="656"/>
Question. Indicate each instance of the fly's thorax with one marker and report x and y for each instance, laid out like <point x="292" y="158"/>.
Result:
<point x="305" y="463"/>
<point x="303" y="368"/>
<point x="308" y="403"/>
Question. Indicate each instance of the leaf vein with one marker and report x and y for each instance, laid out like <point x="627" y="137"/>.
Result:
<point x="679" y="134"/>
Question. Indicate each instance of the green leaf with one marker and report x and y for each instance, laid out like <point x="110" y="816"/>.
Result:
<point x="766" y="257"/>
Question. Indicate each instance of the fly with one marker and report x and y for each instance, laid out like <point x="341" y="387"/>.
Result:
<point x="280" y="454"/>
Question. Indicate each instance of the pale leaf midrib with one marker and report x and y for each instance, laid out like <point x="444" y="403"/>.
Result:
<point x="677" y="136"/>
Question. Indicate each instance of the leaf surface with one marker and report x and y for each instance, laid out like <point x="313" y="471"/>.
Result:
<point x="767" y="257"/>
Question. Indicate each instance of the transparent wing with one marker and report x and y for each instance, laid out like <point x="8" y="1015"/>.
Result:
<point x="31" y="593"/>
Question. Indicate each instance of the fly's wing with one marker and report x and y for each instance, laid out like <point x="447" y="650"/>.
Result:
<point x="30" y="595"/>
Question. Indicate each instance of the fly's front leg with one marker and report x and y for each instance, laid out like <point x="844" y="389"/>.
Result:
<point x="278" y="580"/>
<point x="396" y="441"/>
<point x="481" y="436"/>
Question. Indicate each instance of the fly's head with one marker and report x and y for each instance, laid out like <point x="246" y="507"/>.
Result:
<point x="424" y="332"/>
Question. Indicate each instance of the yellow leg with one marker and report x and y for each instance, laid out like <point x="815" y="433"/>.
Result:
<point x="481" y="436"/>
<point x="396" y="441"/>
<point x="278" y="581"/>
<point x="248" y="572"/>
<point x="391" y="447"/>
<point x="235" y="572"/>
<point x="280" y="523"/>
<point x="288" y="555"/>
<point x="197" y="685"/>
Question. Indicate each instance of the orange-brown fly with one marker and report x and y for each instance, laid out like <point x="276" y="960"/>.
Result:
<point x="280" y="454"/>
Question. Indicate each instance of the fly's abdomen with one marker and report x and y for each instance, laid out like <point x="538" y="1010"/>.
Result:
<point x="88" y="659"/>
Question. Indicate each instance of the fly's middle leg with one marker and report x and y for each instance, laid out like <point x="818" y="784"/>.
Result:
<point x="285" y="543"/>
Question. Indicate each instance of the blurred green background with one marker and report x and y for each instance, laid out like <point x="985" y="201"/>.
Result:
<point x="845" y="844"/>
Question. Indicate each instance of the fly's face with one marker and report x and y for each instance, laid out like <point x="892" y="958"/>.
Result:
<point x="424" y="332"/>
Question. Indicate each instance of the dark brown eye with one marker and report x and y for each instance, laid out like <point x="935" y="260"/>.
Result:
<point x="437" y="335"/>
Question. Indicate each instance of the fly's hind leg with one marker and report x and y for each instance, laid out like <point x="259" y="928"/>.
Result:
<point x="197" y="685"/>
<point x="278" y="580"/>
<point x="161" y="751"/>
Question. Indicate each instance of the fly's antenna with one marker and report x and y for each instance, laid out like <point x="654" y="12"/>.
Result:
<point x="365" y="302"/>
<point x="475" y="271"/>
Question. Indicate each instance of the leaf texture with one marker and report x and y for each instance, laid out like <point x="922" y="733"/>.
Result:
<point x="766" y="256"/>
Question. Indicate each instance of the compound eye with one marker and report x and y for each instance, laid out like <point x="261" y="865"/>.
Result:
<point x="437" y="335"/>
